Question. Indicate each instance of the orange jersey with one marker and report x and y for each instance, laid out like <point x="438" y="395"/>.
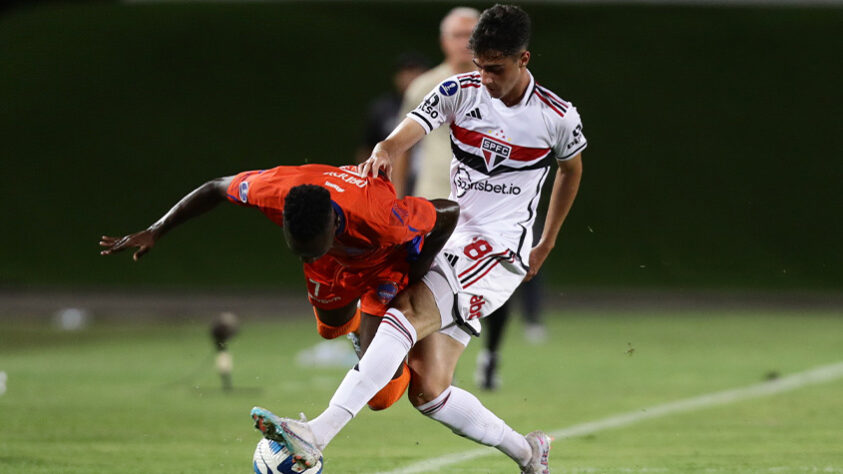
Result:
<point x="374" y="223"/>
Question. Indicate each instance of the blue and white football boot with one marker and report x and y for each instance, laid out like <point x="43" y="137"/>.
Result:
<point x="295" y="434"/>
<point x="540" y="444"/>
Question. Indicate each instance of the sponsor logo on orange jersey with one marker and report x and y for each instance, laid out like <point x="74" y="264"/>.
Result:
<point x="348" y="178"/>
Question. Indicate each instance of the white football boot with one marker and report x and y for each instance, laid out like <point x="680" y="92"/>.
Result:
<point x="294" y="433"/>
<point x="540" y="443"/>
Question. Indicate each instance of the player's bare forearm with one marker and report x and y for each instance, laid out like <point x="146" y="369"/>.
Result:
<point x="447" y="215"/>
<point x="565" y="187"/>
<point x="197" y="202"/>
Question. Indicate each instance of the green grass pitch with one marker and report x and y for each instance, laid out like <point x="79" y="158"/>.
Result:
<point x="144" y="397"/>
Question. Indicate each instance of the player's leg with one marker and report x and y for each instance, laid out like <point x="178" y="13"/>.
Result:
<point x="488" y="360"/>
<point x="414" y="315"/>
<point x="432" y="362"/>
<point x="395" y="388"/>
<point x="361" y="384"/>
<point x="531" y="295"/>
<point x="379" y="285"/>
<point x="360" y="328"/>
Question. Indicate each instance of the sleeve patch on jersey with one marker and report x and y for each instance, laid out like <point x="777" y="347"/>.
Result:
<point x="243" y="192"/>
<point x="448" y="88"/>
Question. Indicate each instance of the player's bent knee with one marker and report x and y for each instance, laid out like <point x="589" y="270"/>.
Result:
<point x="392" y="392"/>
<point x="425" y="389"/>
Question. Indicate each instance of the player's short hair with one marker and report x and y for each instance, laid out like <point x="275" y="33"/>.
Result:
<point x="502" y="28"/>
<point x="306" y="210"/>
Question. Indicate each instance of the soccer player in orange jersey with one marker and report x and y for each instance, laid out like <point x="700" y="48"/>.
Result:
<point x="357" y="241"/>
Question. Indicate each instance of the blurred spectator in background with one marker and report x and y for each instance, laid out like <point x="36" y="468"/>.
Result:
<point x="432" y="181"/>
<point x="384" y="112"/>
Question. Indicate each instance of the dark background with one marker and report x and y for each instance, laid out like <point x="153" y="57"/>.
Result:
<point x="714" y="158"/>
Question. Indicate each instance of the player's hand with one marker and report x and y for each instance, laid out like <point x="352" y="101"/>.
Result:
<point x="537" y="258"/>
<point x="143" y="241"/>
<point x="379" y="160"/>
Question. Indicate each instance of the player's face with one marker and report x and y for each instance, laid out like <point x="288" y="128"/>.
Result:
<point x="503" y="75"/>
<point x="310" y="250"/>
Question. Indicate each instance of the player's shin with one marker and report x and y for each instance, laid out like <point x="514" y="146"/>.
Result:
<point x="463" y="413"/>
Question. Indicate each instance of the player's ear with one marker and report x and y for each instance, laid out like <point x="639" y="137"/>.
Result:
<point x="524" y="59"/>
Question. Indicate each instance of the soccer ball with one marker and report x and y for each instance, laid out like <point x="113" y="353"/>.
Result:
<point x="272" y="457"/>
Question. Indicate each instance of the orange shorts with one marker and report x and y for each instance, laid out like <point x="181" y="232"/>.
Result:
<point x="331" y="285"/>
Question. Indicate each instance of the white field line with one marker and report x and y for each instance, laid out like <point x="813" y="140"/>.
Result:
<point x="814" y="376"/>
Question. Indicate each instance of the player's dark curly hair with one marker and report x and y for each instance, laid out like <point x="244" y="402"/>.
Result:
<point x="502" y="28"/>
<point x="306" y="210"/>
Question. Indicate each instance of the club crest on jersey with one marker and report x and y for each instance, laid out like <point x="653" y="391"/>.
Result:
<point x="243" y="191"/>
<point x="449" y="88"/>
<point x="494" y="152"/>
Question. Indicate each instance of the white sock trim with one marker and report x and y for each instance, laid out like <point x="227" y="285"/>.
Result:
<point x="436" y="404"/>
<point x="399" y="322"/>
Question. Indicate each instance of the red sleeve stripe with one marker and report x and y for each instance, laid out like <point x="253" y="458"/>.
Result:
<point x="518" y="153"/>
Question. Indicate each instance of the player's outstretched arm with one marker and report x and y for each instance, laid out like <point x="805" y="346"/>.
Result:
<point x="565" y="188"/>
<point x="447" y="215"/>
<point x="405" y="135"/>
<point x="199" y="201"/>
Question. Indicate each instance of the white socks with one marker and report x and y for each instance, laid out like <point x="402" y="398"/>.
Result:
<point x="389" y="348"/>
<point x="328" y="424"/>
<point x="455" y="408"/>
<point x="466" y="416"/>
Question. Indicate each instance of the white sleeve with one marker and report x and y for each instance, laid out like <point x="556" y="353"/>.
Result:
<point x="438" y="107"/>
<point x="570" y="139"/>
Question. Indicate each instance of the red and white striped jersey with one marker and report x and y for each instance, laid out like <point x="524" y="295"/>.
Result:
<point x="501" y="155"/>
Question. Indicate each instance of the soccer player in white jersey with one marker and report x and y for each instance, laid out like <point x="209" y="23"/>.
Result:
<point x="506" y="132"/>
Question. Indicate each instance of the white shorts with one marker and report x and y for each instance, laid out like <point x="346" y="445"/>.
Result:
<point x="471" y="277"/>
